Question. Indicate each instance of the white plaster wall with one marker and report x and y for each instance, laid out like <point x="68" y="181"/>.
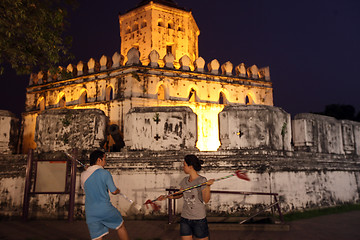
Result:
<point x="347" y="133"/>
<point x="331" y="138"/>
<point x="254" y="127"/>
<point x="357" y="138"/>
<point x="160" y="128"/>
<point x="302" y="190"/>
<point x="11" y="195"/>
<point x="297" y="190"/>
<point x="141" y="187"/>
<point x="5" y="128"/>
<point x="302" y="132"/>
<point x="325" y="132"/>
<point x="59" y="130"/>
<point x="140" y="181"/>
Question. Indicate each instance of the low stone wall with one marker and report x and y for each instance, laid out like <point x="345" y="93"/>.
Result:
<point x="9" y="132"/>
<point x="303" y="181"/>
<point x="63" y="129"/>
<point x="160" y="128"/>
<point x="323" y="134"/>
<point x="254" y="126"/>
<point x="12" y="183"/>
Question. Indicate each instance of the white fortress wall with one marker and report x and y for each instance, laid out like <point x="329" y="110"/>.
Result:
<point x="9" y="132"/>
<point x="302" y="182"/>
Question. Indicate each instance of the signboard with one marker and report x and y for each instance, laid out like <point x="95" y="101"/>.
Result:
<point x="51" y="176"/>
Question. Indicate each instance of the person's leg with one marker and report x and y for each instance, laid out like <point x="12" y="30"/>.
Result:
<point x="97" y="230"/>
<point x="206" y="238"/>
<point x="185" y="229"/>
<point x="115" y="221"/>
<point x="201" y="229"/>
<point x="186" y="238"/>
<point x="122" y="233"/>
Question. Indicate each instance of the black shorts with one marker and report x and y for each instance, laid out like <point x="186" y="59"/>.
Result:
<point x="198" y="228"/>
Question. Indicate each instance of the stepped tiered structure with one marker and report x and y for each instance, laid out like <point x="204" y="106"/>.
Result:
<point x="158" y="66"/>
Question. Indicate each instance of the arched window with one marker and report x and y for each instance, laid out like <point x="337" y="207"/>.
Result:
<point x="62" y="101"/>
<point x="249" y="100"/>
<point x="170" y="49"/>
<point x="222" y="98"/>
<point x="135" y="26"/>
<point x="41" y="104"/>
<point x="161" y="93"/>
<point x="192" y="95"/>
<point x="170" y="24"/>
<point x="83" y="98"/>
<point x="180" y="28"/>
<point x="160" y="23"/>
<point x="128" y="30"/>
<point x="109" y="95"/>
<point x="143" y="24"/>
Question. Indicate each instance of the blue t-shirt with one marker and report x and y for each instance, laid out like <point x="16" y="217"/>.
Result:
<point x="97" y="200"/>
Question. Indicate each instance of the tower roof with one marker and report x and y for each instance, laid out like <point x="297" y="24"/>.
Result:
<point x="169" y="3"/>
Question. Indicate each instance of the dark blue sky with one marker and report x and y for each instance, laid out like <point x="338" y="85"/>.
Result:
<point x="311" y="46"/>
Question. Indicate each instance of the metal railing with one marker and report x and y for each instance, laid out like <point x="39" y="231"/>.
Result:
<point x="274" y="205"/>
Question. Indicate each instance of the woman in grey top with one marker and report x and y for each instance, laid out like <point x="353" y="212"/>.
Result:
<point x="193" y="216"/>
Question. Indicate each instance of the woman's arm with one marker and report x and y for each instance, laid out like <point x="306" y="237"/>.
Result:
<point x="206" y="191"/>
<point x="175" y="196"/>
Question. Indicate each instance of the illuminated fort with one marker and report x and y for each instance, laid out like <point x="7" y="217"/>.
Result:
<point x="158" y="66"/>
<point x="157" y="100"/>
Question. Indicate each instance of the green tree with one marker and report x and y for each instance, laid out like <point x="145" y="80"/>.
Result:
<point x="31" y="34"/>
<point x="339" y="111"/>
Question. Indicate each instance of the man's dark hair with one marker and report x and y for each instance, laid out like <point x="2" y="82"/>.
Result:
<point x="95" y="155"/>
<point x="192" y="160"/>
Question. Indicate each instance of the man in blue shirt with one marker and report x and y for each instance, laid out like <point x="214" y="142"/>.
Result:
<point x="100" y="213"/>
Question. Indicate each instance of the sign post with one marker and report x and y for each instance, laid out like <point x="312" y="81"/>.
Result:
<point x="49" y="177"/>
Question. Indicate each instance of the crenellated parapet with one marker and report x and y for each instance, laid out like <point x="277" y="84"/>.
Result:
<point x="118" y="83"/>
<point x="168" y="62"/>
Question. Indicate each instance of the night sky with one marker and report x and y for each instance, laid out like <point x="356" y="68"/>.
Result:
<point x="311" y="46"/>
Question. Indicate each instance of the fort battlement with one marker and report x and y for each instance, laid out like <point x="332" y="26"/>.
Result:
<point x="155" y="102"/>
<point x="168" y="62"/>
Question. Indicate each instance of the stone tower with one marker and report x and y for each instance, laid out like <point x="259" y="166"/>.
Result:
<point x="159" y="25"/>
<point x="162" y="96"/>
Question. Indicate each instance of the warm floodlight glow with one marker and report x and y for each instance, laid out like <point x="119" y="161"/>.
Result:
<point x="208" y="126"/>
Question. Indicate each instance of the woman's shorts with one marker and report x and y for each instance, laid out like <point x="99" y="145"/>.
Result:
<point x="198" y="228"/>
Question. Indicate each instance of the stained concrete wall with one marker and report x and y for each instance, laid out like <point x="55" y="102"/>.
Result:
<point x="9" y="132"/>
<point x="64" y="129"/>
<point x="322" y="170"/>
<point x="137" y="85"/>
<point x="254" y="126"/>
<point x="160" y="128"/>
<point x="12" y="184"/>
<point x="323" y="134"/>
<point x="302" y="180"/>
<point x="351" y="136"/>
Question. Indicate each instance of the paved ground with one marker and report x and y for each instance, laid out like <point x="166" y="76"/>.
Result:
<point x="338" y="227"/>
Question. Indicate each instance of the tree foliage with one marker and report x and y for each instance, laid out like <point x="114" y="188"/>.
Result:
<point x="340" y="111"/>
<point x="31" y="34"/>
